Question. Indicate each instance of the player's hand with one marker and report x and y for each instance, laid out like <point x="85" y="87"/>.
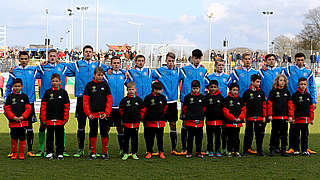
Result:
<point x="244" y="120"/>
<point x="270" y="118"/>
<point x="103" y="116"/>
<point x="290" y="119"/>
<point x="20" y="118"/>
<point x="311" y="122"/>
<point x="264" y="119"/>
<point x="11" y="69"/>
<point x="16" y="119"/>
<point x="264" y="67"/>
<point x="91" y="116"/>
<point x="314" y="106"/>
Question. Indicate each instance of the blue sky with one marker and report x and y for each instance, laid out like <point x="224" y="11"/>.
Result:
<point x="165" y="21"/>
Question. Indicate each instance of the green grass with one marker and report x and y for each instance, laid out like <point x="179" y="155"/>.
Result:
<point x="173" y="167"/>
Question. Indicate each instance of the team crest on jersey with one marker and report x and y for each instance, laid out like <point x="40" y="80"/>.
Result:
<point x="305" y="74"/>
<point x="238" y="103"/>
<point x="308" y="99"/>
<point x="30" y="72"/>
<point x="59" y="69"/>
<point x="200" y="100"/>
<point x="210" y="101"/>
<point x="259" y="96"/>
<point x="51" y="97"/>
<point x="218" y="101"/>
<point x="251" y="96"/>
<point x="94" y="89"/>
<point x="136" y="103"/>
<point x="60" y="97"/>
<point x="93" y="66"/>
<point x="145" y="73"/>
<point x="121" y="77"/>
<point x="128" y="103"/>
<point x="173" y="72"/>
<point x="278" y="94"/>
<point x="152" y="102"/>
<point x="102" y="88"/>
<point x="231" y="103"/>
<point x="201" y="73"/>
<point x="300" y="99"/>
<point x="14" y="101"/>
<point x="160" y="102"/>
<point x="285" y="94"/>
<point x="224" y="80"/>
<point x="277" y="73"/>
<point x="191" y="101"/>
<point x="22" y="100"/>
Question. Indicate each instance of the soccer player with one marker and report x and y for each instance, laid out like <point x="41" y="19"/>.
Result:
<point x="303" y="116"/>
<point x="188" y="74"/>
<point x="131" y="111"/>
<point x="155" y="107"/>
<point x="294" y="73"/>
<point x="55" y="106"/>
<point x="168" y="75"/>
<point x="28" y="75"/>
<point x="83" y="71"/>
<point x="97" y="104"/>
<point x="17" y="109"/>
<point x="256" y="112"/>
<point x="116" y="81"/>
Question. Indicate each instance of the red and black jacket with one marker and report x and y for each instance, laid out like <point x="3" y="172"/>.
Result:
<point x="155" y="108"/>
<point x="194" y="107"/>
<point x="233" y="108"/>
<point x="214" y="106"/>
<point x="303" y="107"/>
<point x="131" y="111"/>
<point x="256" y="104"/>
<point x="17" y="105"/>
<point x="97" y="99"/>
<point x="280" y="104"/>
<point x="55" y="107"/>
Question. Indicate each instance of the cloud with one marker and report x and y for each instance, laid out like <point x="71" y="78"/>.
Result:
<point x="218" y="10"/>
<point x="180" y="39"/>
<point x="187" y="19"/>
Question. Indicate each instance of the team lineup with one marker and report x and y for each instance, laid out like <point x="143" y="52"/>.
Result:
<point x="220" y="102"/>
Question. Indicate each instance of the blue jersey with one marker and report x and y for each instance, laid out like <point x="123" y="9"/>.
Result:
<point x="293" y="73"/>
<point x="222" y="79"/>
<point x="46" y="73"/>
<point x="190" y="73"/>
<point x="267" y="78"/>
<point x="116" y="82"/>
<point x="242" y="77"/>
<point x="170" y="80"/>
<point x="143" y="78"/>
<point x="28" y="75"/>
<point x="83" y="70"/>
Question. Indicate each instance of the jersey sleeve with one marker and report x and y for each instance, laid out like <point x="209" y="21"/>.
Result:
<point x="9" y="85"/>
<point x="71" y="71"/>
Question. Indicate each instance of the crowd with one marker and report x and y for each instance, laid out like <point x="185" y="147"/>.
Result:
<point x="222" y="103"/>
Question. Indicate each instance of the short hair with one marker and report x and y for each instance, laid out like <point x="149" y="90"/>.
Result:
<point x="16" y="81"/>
<point x="87" y="46"/>
<point x="195" y="83"/>
<point x="23" y="53"/>
<point x="197" y="53"/>
<point x="131" y="84"/>
<point x="98" y="70"/>
<point x="157" y="86"/>
<point x="52" y="50"/>
<point x="171" y="54"/>
<point x="233" y="85"/>
<point x="219" y="61"/>
<point x="214" y="82"/>
<point x="254" y="77"/>
<point x="299" y="54"/>
<point x="302" y="79"/>
<point x="115" y="57"/>
<point x="140" y="56"/>
<point x="246" y="54"/>
<point x="270" y="55"/>
<point x="55" y="75"/>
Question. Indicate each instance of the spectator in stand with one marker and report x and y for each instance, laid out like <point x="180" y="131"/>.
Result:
<point x="1" y="84"/>
<point x="317" y="59"/>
